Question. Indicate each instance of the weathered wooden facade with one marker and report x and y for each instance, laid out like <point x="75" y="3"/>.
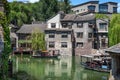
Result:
<point x="24" y="34"/>
<point x="114" y="52"/>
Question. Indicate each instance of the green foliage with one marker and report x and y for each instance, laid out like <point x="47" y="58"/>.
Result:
<point x="114" y="30"/>
<point x="64" y="5"/>
<point x="24" y="13"/>
<point x="48" y="8"/>
<point x="101" y="16"/>
<point x="22" y="75"/>
<point x="38" y="40"/>
<point x="4" y="21"/>
<point x="24" y="41"/>
<point x="20" y="13"/>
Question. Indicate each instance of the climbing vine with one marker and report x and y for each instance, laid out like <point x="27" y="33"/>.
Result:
<point x="4" y="22"/>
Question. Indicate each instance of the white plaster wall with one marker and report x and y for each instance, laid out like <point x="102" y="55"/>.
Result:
<point x="56" y="20"/>
<point x="110" y="7"/>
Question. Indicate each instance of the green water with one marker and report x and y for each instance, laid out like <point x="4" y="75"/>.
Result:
<point x="65" y="68"/>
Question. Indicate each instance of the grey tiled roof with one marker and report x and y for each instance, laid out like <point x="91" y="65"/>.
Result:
<point x="114" y="49"/>
<point x="69" y="17"/>
<point x="13" y="35"/>
<point x="75" y="17"/>
<point x="31" y="27"/>
<point x="85" y="17"/>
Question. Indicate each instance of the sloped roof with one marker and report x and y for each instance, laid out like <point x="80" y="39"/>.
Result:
<point x="76" y="17"/>
<point x="29" y="28"/>
<point x="85" y="17"/>
<point x="69" y="17"/>
<point x="114" y="49"/>
<point x="13" y="35"/>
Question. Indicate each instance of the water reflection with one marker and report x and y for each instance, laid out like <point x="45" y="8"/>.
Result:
<point x="65" y="68"/>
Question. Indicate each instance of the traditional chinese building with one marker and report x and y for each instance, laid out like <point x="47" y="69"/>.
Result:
<point x="114" y="52"/>
<point x="24" y="34"/>
<point x="76" y="32"/>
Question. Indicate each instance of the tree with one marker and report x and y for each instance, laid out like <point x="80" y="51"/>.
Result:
<point x="114" y="30"/>
<point x="20" y="13"/>
<point x="65" y="6"/>
<point x="101" y="16"/>
<point x="48" y="8"/>
<point x="38" y="40"/>
<point x="4" y="21"/>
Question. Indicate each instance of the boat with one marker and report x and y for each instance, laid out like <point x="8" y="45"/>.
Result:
<point x="45" y="54"/>
<point x="101" y="63"/>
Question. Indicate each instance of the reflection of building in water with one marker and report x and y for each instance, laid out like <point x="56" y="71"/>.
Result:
<point x="59" y="68"/>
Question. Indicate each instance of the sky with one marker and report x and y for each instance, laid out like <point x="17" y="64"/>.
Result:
<point x="75" y="2"/>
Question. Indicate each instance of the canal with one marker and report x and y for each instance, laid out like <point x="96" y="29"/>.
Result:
<point x="65" y="68"/>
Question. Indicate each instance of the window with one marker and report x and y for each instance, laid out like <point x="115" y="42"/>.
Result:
<point x="103" y="42"/>
<point x="91" y="8"/>
<point x="80" y="35"/>
<point x="77" y="10"/>
<point x="69" y="25"/>
<point x="51" y="36"/>
<point x="79" y="44"/>
<point x="114" y="9"/>
<point x="103" y="26"/>
<point x="64" y="44"/>
<point x="64" y="36"/>
<point x="64" y="25"/>
<point x="51" y="44"/>
<point x="91" y="24"/>
<point x="79" y="25"/>
<point x="103" y="8"/>
<point x="53" y="25"/>
<point x="89" y="35"/>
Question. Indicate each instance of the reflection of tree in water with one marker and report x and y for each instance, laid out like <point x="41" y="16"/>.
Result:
<point x="22" y="75"/>
<point x="73" y="68"/>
